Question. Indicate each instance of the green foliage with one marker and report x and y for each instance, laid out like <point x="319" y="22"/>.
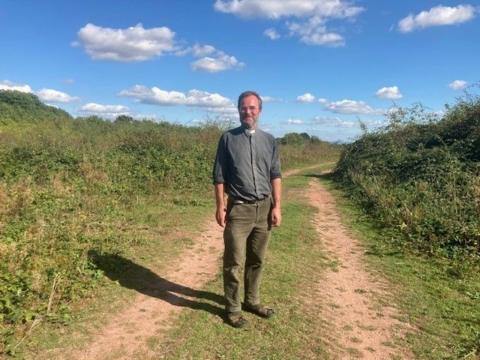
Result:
<point x="303" y="149"/>
<point x="124" y="119"/>
<point x="438" y="296"/>
<point x="68" y="186"/>
<point x="420" y="177"/>
<point x="16" y="106"/>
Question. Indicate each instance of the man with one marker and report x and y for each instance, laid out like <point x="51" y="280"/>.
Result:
<point x="247" y="168"/>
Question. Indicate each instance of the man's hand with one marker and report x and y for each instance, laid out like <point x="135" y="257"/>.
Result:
<point x="276" y="216"/>
<point x="221" y="215"/>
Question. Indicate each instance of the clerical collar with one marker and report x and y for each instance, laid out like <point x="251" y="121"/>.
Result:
<point x="250" y="132"/>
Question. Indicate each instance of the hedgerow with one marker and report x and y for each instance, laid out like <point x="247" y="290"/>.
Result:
<point x="420" y="177"/>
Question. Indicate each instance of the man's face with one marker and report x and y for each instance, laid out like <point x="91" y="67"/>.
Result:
<point x="249" y="111"/>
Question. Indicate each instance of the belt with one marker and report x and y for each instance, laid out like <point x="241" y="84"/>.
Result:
<point x="251" y="202"/>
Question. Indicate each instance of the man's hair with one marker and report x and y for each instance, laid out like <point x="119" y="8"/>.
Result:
<point x="249" y="93"/>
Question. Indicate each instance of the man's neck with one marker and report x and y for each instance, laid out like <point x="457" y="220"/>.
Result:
<point x="253" y="128"/>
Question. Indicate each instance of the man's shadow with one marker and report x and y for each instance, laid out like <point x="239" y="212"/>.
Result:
<point x="322" y="175"/>
<point x="143" y="280"/>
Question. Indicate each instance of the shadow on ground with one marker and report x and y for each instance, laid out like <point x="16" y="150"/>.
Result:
<point x="323" y="175"/>
<point x="136" y="277"/>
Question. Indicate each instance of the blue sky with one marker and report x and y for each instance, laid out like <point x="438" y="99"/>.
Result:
<point x="321" y="65"/>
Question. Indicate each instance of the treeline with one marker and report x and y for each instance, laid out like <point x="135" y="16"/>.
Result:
<point x="420" y="178"/>
<point x="69" y="186"/>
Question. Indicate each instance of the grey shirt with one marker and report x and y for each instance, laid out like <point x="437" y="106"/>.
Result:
<point x="246" y="163"/>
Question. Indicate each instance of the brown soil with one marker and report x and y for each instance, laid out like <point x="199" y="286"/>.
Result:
<point x="127" y="333"/>
<point x="355" y="303"/>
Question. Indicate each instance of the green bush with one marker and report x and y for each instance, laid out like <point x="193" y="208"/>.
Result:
<point x="420" y="177"/>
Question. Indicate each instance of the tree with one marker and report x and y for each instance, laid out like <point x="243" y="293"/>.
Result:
<point x="124" y="119"/>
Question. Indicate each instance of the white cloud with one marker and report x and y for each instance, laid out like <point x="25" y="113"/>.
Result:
<point x="45" y="95"/>
<point x="315" y="14"/>
<point x="274" y="9"/>
<point x="306" y="98"/>
<point x="437" y="16"/>
<point x="225" y="110"/>
<point x="55" y="96"/>
<point x="351" y="107"/>
<point x="157" y="96"/>
<point x="390" y="93"/>
<point x="217" y="64"/>
<point x="109" y="111"/>
<point x="272" y="34"/>
<point x="213" y="60"/>
<point x="221" y="114"/>
<point x="345" y="106"/>
<point x="227" y="114"/>
<point x="126" y="45"/>
<point x="314" y="32"/>
<point x="333" y="121"/>
<point x="203" y="50"/>
<point x="295" y="121"/>
<point x="458" y="85"/>
<point x="8" y="85"/>
<point x="267" y="99"/>
<point x="139" y="44"/>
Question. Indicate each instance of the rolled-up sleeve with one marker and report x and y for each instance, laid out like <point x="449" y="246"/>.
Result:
<point x="275" y="171"/>
<point x="219" y="168"/>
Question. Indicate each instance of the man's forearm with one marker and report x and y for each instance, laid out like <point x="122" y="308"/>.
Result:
<point x="277" y="192"/>
<point x="219" y="197"/>
<point x="220" y="214"/>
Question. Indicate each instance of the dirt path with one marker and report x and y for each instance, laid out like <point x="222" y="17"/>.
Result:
<point x="152" y="312"/>
<point x="127" y="333"/>
<point x="361" y="326"/>
<point x="363" y="322"/>
<point x="299" y="170"/>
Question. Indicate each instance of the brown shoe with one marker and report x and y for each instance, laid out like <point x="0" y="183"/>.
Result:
<point x="259" y="310"/>
<point x="236" y="320"/>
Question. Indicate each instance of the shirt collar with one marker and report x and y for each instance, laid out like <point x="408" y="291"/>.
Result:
<point x="249" y="132"/>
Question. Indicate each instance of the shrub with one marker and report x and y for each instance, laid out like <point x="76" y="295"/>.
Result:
<point x="421" y="177"/>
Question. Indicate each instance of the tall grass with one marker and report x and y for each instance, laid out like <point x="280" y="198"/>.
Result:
<point x="69" y="190"/>
<point x="303" y="149"/>
<point x="420" y="177"/>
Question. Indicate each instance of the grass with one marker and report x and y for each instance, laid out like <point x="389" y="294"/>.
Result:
<point x="152" y="221"/>
<point x="294" y="261"/>
<point x="438" y="299"/>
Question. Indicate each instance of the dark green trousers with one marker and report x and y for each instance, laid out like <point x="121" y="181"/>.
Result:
<point x="246" y="237"/>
